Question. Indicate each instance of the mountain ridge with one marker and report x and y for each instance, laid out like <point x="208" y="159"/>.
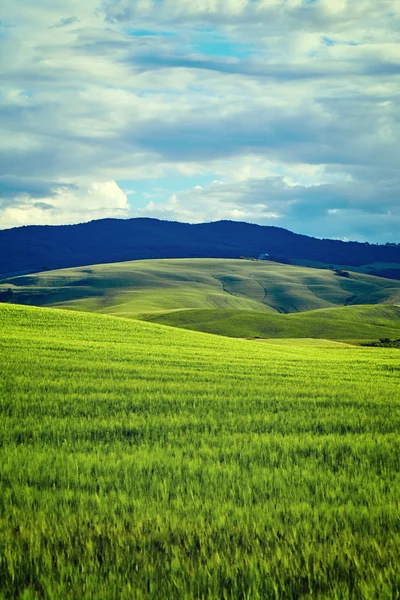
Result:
<point x="35" y="248"/>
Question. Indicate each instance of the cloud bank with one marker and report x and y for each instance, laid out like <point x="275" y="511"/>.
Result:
<point x="283" y="113"/>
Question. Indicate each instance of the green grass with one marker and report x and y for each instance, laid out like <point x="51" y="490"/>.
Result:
<point x="141" y="461"/>
<point x="131" y="288"/>
<point x="355" y="323"/>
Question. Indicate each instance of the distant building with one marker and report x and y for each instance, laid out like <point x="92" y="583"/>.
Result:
<point x="264" y="256"/>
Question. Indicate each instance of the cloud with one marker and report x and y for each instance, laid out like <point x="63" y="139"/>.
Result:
<point x="301" y="98"/>
<point x="68" y="204"/>
<point x="65" y="22"/>
<point x="11" y="187"/>
<point x="346" y="205"/>
<point x="340" y="16"/>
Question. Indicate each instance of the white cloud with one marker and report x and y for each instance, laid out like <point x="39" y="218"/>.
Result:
<point x="75" y="205"/>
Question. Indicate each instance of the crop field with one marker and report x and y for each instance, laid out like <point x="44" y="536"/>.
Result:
<point x="131" y="288"/>
<point x="143" y="461"/>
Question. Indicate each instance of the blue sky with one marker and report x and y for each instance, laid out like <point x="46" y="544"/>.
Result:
<point x="278" y="112"/>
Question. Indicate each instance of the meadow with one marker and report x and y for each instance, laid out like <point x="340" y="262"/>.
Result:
<point x="351" y="323"/>
<point x="143" y="461"/>
<point x="138" y="287"/>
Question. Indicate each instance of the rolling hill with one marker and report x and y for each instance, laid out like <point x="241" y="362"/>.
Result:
<point x="35" y="248"/>
<point x="150" y="462"/>
<point x="353" y="323"/>
<point x="141" y="287"/>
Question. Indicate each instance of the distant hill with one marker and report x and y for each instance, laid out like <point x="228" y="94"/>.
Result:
<point x="151" y="286"/>
<point x="37" y="248"/>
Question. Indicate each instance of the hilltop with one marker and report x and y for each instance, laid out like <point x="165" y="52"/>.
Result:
<point x="36" y="248"/>
<point x="137" y="287"/>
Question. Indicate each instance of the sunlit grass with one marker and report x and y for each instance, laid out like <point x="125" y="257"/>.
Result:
<point x="140" y="461"/>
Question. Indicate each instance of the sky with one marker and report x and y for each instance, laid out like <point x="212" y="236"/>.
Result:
<point x="277" y="112"/>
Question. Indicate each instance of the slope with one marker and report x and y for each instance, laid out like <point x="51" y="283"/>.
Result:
<point x="136" y="287"/>
<point x="148" y="461"/>
<point x="355" y="323"/>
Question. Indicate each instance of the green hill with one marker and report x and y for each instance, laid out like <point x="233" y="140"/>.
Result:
<point x="150" y="462"/>
<point x="354" y="323"/>
<point x="131" y="288"/>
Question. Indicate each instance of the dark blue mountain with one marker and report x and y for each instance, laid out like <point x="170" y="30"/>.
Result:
<point x="35" y="248"/>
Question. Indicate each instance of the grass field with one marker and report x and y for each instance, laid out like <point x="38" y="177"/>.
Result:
<point x="353" y="323"/>
<point x="141" y="461"/>
<point x="131" y="288"/>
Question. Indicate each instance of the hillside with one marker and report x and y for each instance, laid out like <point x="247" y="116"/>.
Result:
<point x="35" y="248"/>
<point x="136" y="287"/>
<point x="353" y="323"/>
<point x="193" y="465"/>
